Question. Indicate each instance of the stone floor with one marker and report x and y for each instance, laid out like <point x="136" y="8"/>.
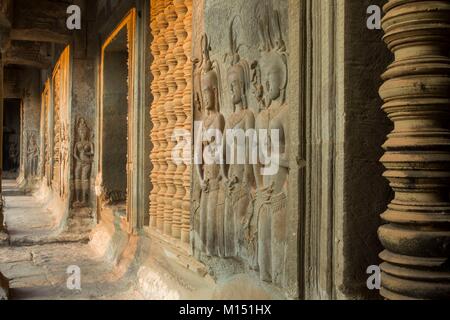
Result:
<point x="37" y="268"/>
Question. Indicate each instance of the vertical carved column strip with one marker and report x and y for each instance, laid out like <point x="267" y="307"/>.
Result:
<point x="171" y="109"/>
<point x="169" y="218"/>
<point x="180" y="80"/>
<point x="56" y="128"/>
<point x="416" y="95"/>
<point x="162" y="118"/>
<point x="187" y="96"/>
<point x="154" y="176"/>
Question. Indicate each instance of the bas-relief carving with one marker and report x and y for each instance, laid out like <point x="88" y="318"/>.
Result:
<point x="83" y="154"/>
<point x="251" y="226"/>
<point x="238" y="178"/>
<point x="271" y="196"/>
<point x="32" y="155"/>
<point x="211" y="205"/>
<point x="64" y="160"/>
<point x="45" y="167"/>
<point x="60" y="128"/>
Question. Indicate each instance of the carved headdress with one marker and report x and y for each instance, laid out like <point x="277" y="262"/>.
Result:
<point x="209" y="76"/>
<point x="239" y="69"/>
<point x="272" y="46"/>
<point x="82" y="128"/>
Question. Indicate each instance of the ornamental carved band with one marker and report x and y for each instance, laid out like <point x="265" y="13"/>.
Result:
<point x="171" y="27"/>
<point x="416" y="95"/>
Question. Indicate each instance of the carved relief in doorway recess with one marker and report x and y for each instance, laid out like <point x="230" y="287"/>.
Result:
<point x="32" y="154"/>
<point x="83" y="154"/>
<point x="170" y="110"/>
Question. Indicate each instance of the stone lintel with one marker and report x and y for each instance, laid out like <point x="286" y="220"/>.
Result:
<point x="41" y="35"/>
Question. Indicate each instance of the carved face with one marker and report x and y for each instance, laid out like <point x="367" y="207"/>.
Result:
<point x="209" y="90"/>
<point x="236" y="91"/>
<point x="209" y="98"/>
<point x="273" y="76"/>
<point x="235" y="82"/>
<point x="83" y="134"/>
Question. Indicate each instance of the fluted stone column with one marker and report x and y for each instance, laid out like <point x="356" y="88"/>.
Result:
<point x="416" y="95"/>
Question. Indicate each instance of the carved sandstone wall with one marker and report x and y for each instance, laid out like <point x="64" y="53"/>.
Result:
<point x="61" y="131"/>
<point x="45" y="134"/>
<point x="238" y="212"/>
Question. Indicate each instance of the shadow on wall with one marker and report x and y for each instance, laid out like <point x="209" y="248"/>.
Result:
<point x="367" y="193"/>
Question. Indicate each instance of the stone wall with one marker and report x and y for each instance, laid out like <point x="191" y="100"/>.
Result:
<point x="30" y="126"/>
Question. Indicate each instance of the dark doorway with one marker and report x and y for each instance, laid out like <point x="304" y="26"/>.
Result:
<point x="114" y="118"/>
<point x="11" y="138"/>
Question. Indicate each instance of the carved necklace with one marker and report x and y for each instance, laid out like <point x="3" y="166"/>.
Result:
<point x="209" y="120"/>
<point x="273" y="113"/>
<point x="235" y="118"/>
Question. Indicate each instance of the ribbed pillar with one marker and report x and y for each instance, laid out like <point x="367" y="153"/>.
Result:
<point x="416" y="94"/>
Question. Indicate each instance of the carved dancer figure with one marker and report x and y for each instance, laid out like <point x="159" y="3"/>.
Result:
<point x="84" y="157"/>
<point x="211" y="206"/>
<point x="237" y="172"/>
<point x="271" y="198"/>
<point x="64" y="159"/>
<point x="32" y="155"/>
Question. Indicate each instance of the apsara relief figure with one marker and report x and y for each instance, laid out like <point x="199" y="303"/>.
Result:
<point x="211" y="203"/>
<point x="64" y="160"/>
<point x="271" y="201"/>
<point x="32" y="155"/>
<point x="84" y="157"/>
<point x="237" y="171"/>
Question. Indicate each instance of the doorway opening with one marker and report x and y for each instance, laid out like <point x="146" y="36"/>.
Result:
<point x="115" y="111"/>
<point x="11" y="138"/>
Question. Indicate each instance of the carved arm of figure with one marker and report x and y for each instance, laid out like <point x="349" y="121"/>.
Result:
<point x="248" y="167"/>
<point x="199" y="171"/>
<point x="284" y="156"/>
<point x="76" y="152"/>
<point x="90" y="154"/>
<point x="223" y="164"/>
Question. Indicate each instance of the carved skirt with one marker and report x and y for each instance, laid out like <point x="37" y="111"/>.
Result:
<point x="272" y="235"/>
<point x="211" y="219"/>
<point x="236" y="206"/>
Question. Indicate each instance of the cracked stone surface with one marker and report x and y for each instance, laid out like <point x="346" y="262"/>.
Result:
<point x="39" y="271"/>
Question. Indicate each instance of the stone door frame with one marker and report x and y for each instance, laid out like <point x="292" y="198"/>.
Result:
<point x="316" y="32"/>
<point x="129" y="22"/>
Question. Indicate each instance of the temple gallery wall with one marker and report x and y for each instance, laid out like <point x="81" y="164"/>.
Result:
<point x="115" y="124"/>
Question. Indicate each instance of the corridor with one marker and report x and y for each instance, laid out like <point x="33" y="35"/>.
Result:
<point x="37" y="260"/>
